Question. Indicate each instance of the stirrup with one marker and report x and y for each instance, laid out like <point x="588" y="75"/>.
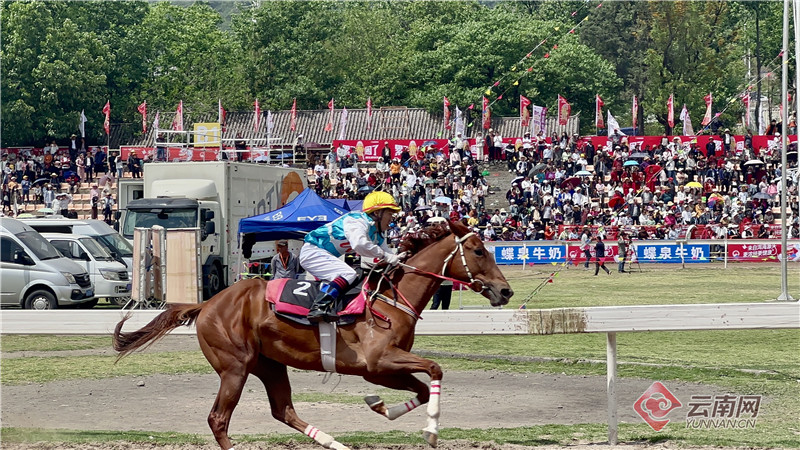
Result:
<point x="318" y="315"/>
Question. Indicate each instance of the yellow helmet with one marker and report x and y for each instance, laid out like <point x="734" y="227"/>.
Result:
<point x="379" y="200"/>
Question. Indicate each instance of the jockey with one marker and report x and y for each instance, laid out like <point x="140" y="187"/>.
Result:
<point x="360" y="232"/>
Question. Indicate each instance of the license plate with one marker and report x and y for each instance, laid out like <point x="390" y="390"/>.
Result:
<point x="90" y="293"/>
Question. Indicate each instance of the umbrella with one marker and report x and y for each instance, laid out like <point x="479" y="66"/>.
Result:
<point x="517" y="180"/>
<point x="443" y="199"/>
<point x="427" y="143"/>
<point x="365" y="189"/>
<point x="570" y="182"/>
<point x="694" y="184"/>
<point x="537" y="168"/>
<point x="46" y="210"/>
<point x="762" y="196"/>
<point x="583" y="173"/>
<point x="754" y="162"/>
<point x="350" y="170"/>
<point x="639" y="155"/>
<point x="430" y="181"/>
<point x="25" y="216"/>
<point x="437" y="220"/>
<point x="616" y="201"/>
<point x="631" y="162"/>
<point x="652" y="170"/>
<point x="422" y="208"/>
<point x="40" y="180"/>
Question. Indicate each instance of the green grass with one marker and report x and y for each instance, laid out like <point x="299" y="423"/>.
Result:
<point x="763" y="362"/>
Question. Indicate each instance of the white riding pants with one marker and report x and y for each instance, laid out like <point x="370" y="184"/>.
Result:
<point x="323" y="265"/>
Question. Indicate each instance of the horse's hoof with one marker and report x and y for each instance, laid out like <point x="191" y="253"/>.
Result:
<point x="373" y="400"/>
<point x="431" y="438"/>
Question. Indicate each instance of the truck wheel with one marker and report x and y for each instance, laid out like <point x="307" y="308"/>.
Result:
<point x="41" y="300"/>
<point x="213" y="282"/>
<point x="119" y="301"/>
<point x="88" y="305"/>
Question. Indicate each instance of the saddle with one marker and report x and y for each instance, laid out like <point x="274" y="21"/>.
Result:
<point x="291" y="299"/>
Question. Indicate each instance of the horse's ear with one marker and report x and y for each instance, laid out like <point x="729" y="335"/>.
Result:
<point x="458" y="228"/>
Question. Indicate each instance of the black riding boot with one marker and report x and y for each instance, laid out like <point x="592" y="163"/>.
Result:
<point x="322" y="308"/>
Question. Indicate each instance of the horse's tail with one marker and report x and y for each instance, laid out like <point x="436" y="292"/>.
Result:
<point x="174" y="317"/>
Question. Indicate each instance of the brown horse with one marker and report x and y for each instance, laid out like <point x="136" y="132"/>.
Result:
<point x="240" y="335"/>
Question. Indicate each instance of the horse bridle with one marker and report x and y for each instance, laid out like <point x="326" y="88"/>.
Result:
<point x="405" y="305"/>
<point x="460" y="250"/>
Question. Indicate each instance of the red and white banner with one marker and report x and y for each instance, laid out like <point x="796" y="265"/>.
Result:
<point x="754" y="252"/>
<point x="564" y="110"/>
<point x="256" y="117"/>
<point x="143" y="111"/>
<point x="371" y="149"/>
<point x="687" y="122"/>
<point x="343" y="124"/>
<point x="487" y="114"/>
<point x="576" y="255"/>
<point x="177" y="122"/>
<point x="634" y="112"/>
<point x="293" y="117"/>
<point x="746" y="101"/>
<point x="707" y="116"/>
<point x="369" y="113"/>
<point x="446" y="106"/>
<point x="156" y="123"/>
<point x="671" y="111"/>
<point x="598" y="112"/>
<point x="524" y="114"/>
<point x="221" y="113"/>
<point x="107" y="120"/>
<point x="329" y="125"/>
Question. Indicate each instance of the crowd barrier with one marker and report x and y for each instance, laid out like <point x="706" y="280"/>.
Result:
<point x="649" y="251"/>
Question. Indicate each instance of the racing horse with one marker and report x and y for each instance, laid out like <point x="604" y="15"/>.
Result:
<point x="240" y="334"/>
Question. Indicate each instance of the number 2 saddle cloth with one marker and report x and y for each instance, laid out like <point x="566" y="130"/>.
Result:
<point x="292" y="299"/>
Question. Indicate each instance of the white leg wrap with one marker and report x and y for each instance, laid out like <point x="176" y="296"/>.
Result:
<point x="323" y="438"/>
<point x="433" y="407"/>
<point x="398" y="410"/>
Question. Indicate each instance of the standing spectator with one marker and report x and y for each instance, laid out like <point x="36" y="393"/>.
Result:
<point x="63" y="200"/>
<point x="284" y="264"/>
<point x="119" y="165"/>
<point x="443" y="295"/>
<point x="600" y="256"/>
<point x="134" y="164"/>
<point x="108" y="207"/>
<point x="74" y="148"/>
<point x="586" y="240"/>
<point x="623" y="241"/>
<point x="26" y="189"/>
<point x="100" y="162"/>
<point x="89" y="167"/>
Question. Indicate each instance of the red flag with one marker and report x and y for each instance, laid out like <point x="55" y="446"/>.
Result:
<point x="369" y="113"/>
<point x="598" y="112"/>
<point x="564" y="110"/>
<point x="634" y="112"/>
<point x="524" y="114"/>
<point x="446" y="114"/>
<point x="487" y="114"/>
<point x="293" y="118"/>
<point x="256" y="116"/>
<point x="670" y="111"/>
<point x="177" y="122"/>
<point x="221" y="113"/>
<point x="707" y="116"/>
<point x="107" y="120"/>
<point x="329" y="125"/>
<point x="143" y="111"/>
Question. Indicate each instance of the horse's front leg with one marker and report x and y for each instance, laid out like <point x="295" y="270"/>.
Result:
<point x="400" y="382"/>
<point x="400" y="364"/>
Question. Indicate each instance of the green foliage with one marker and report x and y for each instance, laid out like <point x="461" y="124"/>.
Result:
<point x="62" y="57"/>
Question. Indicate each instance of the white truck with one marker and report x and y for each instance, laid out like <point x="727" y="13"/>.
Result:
<point x="212" y="196"/>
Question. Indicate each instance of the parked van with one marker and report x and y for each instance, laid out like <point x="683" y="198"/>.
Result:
<point x="96" y="229"/>
<point x="34" y="275"/>
<point x="109" y="277"/>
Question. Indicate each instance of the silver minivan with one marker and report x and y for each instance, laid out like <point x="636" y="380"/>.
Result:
<point x="96" y="229"/>
<point x="109" y="277"/>
<point x="34" y="275"/>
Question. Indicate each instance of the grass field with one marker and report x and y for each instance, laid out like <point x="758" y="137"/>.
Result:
<point x="765" y="362"/>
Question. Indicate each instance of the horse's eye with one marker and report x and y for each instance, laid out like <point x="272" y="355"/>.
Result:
<point x="479" y="252"/>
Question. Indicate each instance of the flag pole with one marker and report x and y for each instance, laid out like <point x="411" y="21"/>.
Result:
<point x="785" y="129"/>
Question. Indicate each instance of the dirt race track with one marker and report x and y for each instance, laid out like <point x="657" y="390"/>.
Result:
<point x="180" y="403"/>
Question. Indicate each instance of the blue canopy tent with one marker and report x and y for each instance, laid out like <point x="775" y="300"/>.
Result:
<point x="305" y="213"/>
<point x="340" y="202"/>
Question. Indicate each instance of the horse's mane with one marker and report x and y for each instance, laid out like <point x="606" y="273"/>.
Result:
<point x="413" y="242"/>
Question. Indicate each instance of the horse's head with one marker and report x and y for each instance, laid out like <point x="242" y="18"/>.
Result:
<point x="472" y="263"/>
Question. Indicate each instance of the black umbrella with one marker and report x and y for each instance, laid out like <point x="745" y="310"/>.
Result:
<point x="41" y="180"/>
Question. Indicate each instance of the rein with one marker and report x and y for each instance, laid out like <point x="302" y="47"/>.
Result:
<point x="406" y="306"/>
